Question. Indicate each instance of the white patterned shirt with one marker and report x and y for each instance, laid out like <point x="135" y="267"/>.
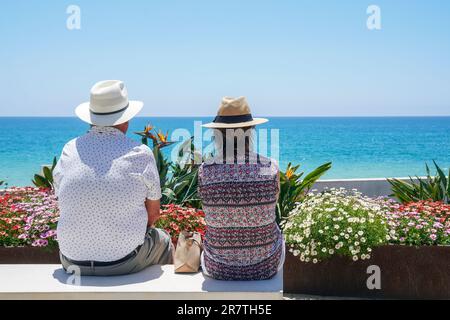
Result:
<point x="102" y="181"/>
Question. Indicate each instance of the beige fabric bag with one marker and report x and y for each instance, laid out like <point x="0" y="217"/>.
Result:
<point x="187" y="254"/>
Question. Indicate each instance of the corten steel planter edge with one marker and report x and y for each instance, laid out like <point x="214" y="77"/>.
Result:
<point x="29" y="255"/>
<point x="407" y="272"/>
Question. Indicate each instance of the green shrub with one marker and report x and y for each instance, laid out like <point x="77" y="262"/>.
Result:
<point x="179" y="179"/>
<point x="433" y="187"/>
<point x="46" y="179"/>
<point x="293" y="188"/>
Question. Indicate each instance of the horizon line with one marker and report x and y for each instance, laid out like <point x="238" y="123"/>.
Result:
<point x="278" y="116"/>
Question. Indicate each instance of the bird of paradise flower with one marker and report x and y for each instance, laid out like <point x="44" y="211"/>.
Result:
<point x="158" y="138"/>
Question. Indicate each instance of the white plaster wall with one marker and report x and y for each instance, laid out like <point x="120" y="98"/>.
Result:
<point x="370" y="187"/>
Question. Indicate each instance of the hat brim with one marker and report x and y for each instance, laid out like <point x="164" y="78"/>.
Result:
<point x="84" y="113"/>
<point x="217" y="125"/>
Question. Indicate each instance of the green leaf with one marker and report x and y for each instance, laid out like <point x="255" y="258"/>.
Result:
<point x="48" y="175"/>
<point x="436" y="188"/>
<point x="448" y="186"/>
<point x="179" y="186"/>
<point x="54" y="164"/>
<point x="443" y="185"/>
<point x="312" y="177"/>
<point x="40" y="182"/>
<point x="293" y="189"/>
<point x="169" y="194"/>
<point x="402" y="189"/>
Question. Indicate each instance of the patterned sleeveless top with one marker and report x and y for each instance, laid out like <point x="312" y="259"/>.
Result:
<point x="242" y="241"/>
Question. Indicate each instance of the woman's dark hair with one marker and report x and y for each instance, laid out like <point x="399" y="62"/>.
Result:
<point x="237" y="140"/>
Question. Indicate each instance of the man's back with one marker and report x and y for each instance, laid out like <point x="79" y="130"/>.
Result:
<point x="102" y="180"/>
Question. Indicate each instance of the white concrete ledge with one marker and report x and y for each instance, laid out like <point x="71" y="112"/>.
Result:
<point x="50" y="282"/>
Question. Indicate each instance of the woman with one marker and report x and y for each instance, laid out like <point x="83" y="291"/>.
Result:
<point x="239" y="191"/>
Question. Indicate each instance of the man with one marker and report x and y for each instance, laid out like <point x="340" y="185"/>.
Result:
<point x="108" y="192"/>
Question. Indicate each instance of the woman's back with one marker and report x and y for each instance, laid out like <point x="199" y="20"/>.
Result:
<point x="243" y="241"/>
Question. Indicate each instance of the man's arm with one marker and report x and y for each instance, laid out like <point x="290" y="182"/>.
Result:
<point x="153" y="207"/>
<point x="151" y="180"/>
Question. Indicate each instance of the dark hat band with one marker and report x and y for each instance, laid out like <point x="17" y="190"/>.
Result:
<point x="233" y="119"/>
<point x="109" y="113"/>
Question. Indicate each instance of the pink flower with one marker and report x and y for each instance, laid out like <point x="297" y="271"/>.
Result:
<point x="48" y="234"/>
<point x="438" y="225"/>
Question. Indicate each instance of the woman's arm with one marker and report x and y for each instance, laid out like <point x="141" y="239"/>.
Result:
<point x="153" y="211"/>
<point x="279" y="184"/>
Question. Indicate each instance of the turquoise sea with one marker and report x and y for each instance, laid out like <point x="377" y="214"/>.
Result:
<point x="358" y="147"/>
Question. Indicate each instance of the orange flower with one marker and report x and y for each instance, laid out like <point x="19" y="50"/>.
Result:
<point x="163" y="138"/>
<point x="147" y="129"/>
<point x="289" y="173"/>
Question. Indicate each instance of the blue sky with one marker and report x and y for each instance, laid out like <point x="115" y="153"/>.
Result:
<point x="289" y="57"/>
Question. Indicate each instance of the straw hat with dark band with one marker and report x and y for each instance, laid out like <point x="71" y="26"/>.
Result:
<point x="109" y="105"/>
<point x="234" y="113"/>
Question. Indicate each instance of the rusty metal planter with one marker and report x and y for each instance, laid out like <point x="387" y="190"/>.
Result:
<point x="28" y="255"/>
<point x="406" y="273"/>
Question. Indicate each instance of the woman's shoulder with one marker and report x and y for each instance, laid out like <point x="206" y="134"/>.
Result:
<point x="268" y="162"/>
<point x="251" y="159"/>
<point x="255" y="163"/>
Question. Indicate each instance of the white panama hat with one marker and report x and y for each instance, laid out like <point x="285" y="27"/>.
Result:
<point x="234" y="113"/>
<point x="109" y="105"/>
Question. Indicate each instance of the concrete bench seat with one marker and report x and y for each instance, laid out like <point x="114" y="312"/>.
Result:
<point x="156" y="282"/>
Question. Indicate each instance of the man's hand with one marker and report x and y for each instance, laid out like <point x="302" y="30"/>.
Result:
<point x="153" y="211"/>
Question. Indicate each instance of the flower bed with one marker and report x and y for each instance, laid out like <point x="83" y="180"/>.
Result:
<point x="175" y="219"/>
<point x="28" y="217"/>
<point x="420" y="223"/>
<point x="334" y="237"/>
<point x="336" y="223"/>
